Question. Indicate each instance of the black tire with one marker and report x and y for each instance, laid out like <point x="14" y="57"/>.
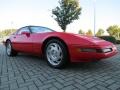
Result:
<point x="10" y="52"/>
<point x="61" y="54"/>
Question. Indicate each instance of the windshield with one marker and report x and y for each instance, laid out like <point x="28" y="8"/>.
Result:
<point x="39" y="29"/>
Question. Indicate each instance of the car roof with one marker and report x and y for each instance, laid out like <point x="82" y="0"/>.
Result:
<point x="35" y="26"/>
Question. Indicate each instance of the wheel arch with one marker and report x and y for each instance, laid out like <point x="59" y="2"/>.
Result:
<point x="7" y="41"/>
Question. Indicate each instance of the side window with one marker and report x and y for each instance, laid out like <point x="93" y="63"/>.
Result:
<point x="38" y="29"/>
<point x="44" y="30"/>
<point x="35" y="29"/>
<point x="24" y="29"/>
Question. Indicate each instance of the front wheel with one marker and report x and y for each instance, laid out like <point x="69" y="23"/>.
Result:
<point x="56" y="53"/>
<point x="9" y="49"/>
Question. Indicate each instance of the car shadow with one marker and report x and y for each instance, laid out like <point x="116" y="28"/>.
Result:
<point x="106" y="63"/>
<point x="88" y="65"/>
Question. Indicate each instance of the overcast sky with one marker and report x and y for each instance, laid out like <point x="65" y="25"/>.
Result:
<point x="18" y="13"/>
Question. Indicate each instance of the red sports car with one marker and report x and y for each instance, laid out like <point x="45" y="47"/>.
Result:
<point x="58" y="48"/>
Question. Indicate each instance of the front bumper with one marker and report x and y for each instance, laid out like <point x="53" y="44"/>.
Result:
<point x="78" y="56"/>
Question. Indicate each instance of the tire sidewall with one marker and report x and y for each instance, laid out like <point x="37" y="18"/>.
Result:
<point x="13" y="52"/>
<point x="64" y="51"/>
<point x="8" y="42"/>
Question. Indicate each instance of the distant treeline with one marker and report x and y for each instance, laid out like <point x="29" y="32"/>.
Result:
<point x="7" y="32"/>
<point x="113" y="30"/>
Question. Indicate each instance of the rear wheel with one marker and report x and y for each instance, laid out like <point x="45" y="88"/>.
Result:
<point x="9" y="49"/>
<point x="56" y="53"/>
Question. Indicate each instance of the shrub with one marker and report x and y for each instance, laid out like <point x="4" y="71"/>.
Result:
<point x="117" y="41"/>
<point x="109" y="38"/>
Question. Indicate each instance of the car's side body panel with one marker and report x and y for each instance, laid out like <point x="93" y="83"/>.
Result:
<point x="23" y="43"/>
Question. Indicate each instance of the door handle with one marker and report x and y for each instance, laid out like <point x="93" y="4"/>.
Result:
<point x="14" y="37"/>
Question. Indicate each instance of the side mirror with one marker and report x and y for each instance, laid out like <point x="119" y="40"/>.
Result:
<point x="26" y="33"/>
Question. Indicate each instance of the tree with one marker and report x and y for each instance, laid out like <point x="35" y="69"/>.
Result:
<point x="100" y="32"/>
<point x="66" y="13"/>
<point x="114" y="31"/>
<point x="89" y="33"/>
<point x="81" y="32"/>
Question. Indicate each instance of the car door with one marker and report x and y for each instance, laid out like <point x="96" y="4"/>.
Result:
<point x="23" y="42"/>
<point x="37" y="39"/>
<point x="38" y="35"/>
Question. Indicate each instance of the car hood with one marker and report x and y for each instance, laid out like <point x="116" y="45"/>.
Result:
<point x="91" y="40"/>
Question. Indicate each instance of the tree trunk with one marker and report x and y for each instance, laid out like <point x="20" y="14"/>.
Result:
<point x="63" y="28"/>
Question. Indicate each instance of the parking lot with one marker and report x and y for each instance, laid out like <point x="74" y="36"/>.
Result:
<point x="26" y="72"/>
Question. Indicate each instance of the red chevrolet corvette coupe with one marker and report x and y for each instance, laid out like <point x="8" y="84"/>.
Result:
<point x="58" y="48"/>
